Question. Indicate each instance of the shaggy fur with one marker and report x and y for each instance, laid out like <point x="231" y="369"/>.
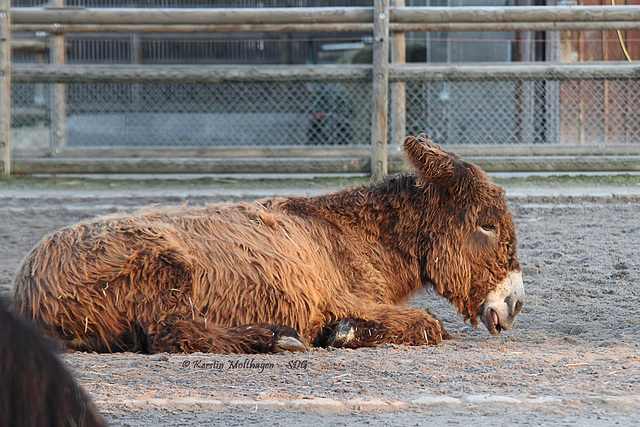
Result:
<point x="35" y="388"/>
<point x="224" y="278"/>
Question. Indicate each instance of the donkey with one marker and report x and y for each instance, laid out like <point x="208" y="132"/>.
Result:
<point x="284" y="273"/>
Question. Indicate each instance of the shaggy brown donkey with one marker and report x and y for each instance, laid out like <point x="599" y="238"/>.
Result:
<point x="35" y="388"/>
<point x="281" y="272"/>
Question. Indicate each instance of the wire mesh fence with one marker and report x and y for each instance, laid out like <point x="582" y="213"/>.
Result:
<point x="596" y="112"/>
<point x="236" y="114"/>
<point x="593" y="111"/>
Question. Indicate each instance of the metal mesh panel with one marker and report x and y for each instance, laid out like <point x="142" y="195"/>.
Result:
<point x="201" y="49"/>
<point x="457" y="111"/>
<point x="200" y="115"/>
<point x="595" y="112"/>
<point x="524" y="112"/>
<point x="563" y="112"/>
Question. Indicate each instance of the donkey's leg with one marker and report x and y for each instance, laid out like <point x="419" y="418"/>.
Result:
<point x="183" y="336"/>
<point x="387" y="324"/>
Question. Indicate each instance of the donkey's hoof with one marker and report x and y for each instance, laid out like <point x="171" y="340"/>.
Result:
<point x="291" y="344"/>
<point x="342" y="334"/>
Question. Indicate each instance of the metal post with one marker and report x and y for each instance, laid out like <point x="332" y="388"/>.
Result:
<point x="380" y="90"/>
<point x="398" y="89"/>
<point x="58" y="90"/>
<point x="5" y="87"/>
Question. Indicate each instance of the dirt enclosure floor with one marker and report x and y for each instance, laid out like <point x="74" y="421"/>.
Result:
<point x="573" y="356"/>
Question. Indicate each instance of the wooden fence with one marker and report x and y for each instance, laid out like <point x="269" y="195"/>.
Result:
<point x="382" y="20"/>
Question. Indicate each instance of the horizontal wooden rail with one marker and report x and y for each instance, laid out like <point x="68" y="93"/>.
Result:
<point x="27" y="45"/>
<point x="397" y="72"/>
<point x="217" y="28"/>
<point x="491" y="14"/>
<point x="191" y="16"/>
<point x="185" y="73"/>
<point x="307" y="165"/>
<point x="494" y="158"/>
<point x="495" y="150"/>
<point x="189" y="166"/>
<point x="203" y="153"/>
<point x="323" y="28"/>
<point x="316" y="15"/>
<point x="515" y="26"/>
<point x="515" y="71"/>
<point x="323" y="19"/>
<point x="534" y="18"/>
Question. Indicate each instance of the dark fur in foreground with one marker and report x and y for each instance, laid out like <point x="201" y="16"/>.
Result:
<point x="35" y="388"/>
<point x="226" y="278"/>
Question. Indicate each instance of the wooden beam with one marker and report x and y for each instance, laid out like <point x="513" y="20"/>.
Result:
<point x="498" y="14"/>
<point x="57" y="52"/>
<point x="28" y="45"/>
<point x="515" y="71"/>
<point x="397" y="72"/>
<point x="5" y="87"/>
<point x="353" y="164"/>
<point x="333" y="28"/>
<point x="398" y="89"/>
<point x="380" y="91"/>
<point x="109" y="165"/>
<point x="202" y="153"/>
<point x="191" y="16"/>
<point x="319" y="15"/>
<point x="187" y="73"/>
<point x="514" y="26"/>
<point x="323" y="19"/>
<point x="329" y="152"/>
<point x="217" y="28"/>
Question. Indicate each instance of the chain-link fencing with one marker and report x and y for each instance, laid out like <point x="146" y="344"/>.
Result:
<point x="234" y="114"/>
<point x="595" y="111"/>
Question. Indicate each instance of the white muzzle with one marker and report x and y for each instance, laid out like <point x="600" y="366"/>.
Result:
<point x="503" y="304"/>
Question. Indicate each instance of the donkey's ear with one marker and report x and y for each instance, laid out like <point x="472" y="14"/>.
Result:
<point x="431" y="162"/>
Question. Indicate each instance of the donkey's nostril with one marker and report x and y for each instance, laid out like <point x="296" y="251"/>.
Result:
<point x="514" y="305"/>
<point x="519" y="305"/>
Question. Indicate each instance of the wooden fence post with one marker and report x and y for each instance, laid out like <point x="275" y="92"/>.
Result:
<point x="5" y="87"/>
<point x="58" y="90"/>
<point x="380" y="90"/>
<point x="398" y="89"/>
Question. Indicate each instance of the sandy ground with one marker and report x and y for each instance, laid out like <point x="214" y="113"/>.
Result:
<point x="573" y="356"/>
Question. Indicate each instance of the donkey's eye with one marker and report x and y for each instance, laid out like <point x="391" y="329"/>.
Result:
<point x="489" y="228"/>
